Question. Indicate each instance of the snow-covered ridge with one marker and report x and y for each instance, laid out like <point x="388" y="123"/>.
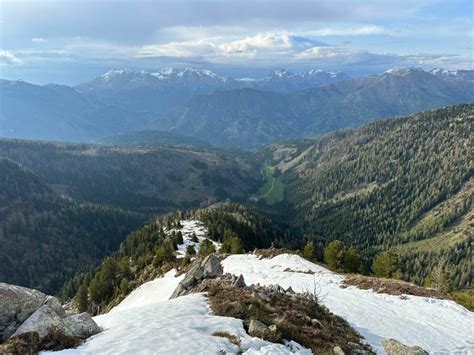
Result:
<point x="403" y="71"/>
<point x="439" y="326"/>
<point x="281" y="74"/>
<point x="148" y="322"/>
<point x="189" y="73"/>
<point x="162" y="74"/>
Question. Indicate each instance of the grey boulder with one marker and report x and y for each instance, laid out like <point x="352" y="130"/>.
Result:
<point x="16" y="305"/>
<point x="45" y="319"/>
<point x="212" y="266"/>
<point x="394" y="347"/>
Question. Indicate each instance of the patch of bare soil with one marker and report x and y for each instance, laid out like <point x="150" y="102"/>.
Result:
<point x="390" y="286"/>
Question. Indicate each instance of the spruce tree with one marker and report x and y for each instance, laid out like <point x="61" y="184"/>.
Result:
<point x="82" y="301"/>
<point x="386" y="265"/>
<point x="236" y="246"/>
<point x="352" y="260"/>
<point x="309" y="251"/>
<point x="334" y="255"/>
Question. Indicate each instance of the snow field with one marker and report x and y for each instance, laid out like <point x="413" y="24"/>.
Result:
<point x="147" y="322"/>
<point x="438" y="326"/>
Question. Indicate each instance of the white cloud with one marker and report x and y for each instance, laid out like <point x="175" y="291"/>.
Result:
<point x="7" y="58"/>
<point x="39" y="40"/>
<point x="349" y="31"/>
<point x="268" y="45"/>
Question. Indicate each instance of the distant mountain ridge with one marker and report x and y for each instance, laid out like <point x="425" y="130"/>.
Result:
<point x="60" y="112"/>
<point x="249" y="118"/>
<point x="168" y="88"/>
<point x="221" y="110"/>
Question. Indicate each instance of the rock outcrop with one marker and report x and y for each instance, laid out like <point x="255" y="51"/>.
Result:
<point x="394" y="347"/>
<point x="16" y="305"/>
<point x="210" y="267"/>
<point x="31" y="321"/>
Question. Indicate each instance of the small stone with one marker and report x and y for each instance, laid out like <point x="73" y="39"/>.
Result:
<point x="239" y="282"/>
<point x="257" y="328"/>
<point x="338" y="351"/>
<point x="394" y="347"/>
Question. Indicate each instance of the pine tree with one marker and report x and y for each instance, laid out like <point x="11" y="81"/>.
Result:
<point x="334" y="255"/>
<point x="352" y="260"/>
<point x="190" y="250"/>
<point x="386" y="264"/>
<point x="124" y="268"/>
<point x="82" y="301"/>
<point x="207" y="248"/>
<point x="309" y="251"/>
<point x="236" y="246"/>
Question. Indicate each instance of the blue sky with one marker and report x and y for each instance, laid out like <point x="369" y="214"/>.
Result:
<point x="71" y="41"/>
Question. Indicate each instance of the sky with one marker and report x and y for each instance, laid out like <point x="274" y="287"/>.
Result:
<point x="71" y="41"/>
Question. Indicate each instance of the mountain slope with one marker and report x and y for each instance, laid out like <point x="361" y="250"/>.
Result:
<point x="151" y="137"/>
<point x="388" y="184"/>
<point x="46" y="238"/>
<point x="145" y="179"/>
<point x="241" y="118"/>
<point x="59" y="112"/>
<point x="440" y="326"/>
<point x="250" y="118"/>
<point x="168" y="88"/>
<point x="157" y="92"/>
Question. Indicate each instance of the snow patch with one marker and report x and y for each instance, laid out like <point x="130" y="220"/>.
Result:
<point x="188" y="228"/>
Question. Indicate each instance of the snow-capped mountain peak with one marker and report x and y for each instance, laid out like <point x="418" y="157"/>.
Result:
<point x="403" y="71"/>
<point x="162" y="74"/>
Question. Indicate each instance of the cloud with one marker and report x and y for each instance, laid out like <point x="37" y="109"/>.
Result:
<point x="7" y="59"/>
<point x="349" y="31"/>
<point x="268" y="45"/>
<point x="39" y="40"/>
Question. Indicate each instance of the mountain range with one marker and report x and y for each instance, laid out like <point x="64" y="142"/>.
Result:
<point x="402" y="184"/>
<point x="220" y="110"/>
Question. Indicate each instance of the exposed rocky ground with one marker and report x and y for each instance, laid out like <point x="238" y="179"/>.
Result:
<point x="272" y="313"/>
<point x="31" y="321"/>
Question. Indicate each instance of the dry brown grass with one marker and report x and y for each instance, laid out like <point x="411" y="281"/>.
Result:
<point x="272" y="252"/>
<point x="309" y="272"/>
<point x="295" y="316"/>
<point x="390" y="286"/>
<point x="232" y="338"/>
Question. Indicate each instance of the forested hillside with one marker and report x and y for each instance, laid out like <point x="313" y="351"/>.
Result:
<point x="152" y="137"/>
<point x="153" y="180"/>
<point x="45" y="238"/>
<point x="150" y="251"/>
<point x="394" y="184"/>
